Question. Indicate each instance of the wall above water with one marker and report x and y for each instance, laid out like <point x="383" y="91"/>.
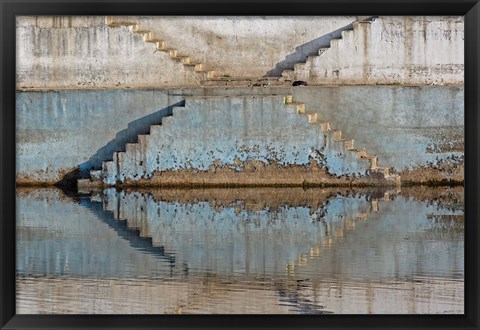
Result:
<point x="391" y="50"/>
<point x="407" y="127"/>
<point x="83" y="52"/>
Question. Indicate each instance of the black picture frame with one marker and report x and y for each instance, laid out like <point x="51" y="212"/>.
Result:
<point x="10" y="8"/>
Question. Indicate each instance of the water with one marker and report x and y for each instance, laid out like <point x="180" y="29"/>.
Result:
<point x="318" y="251"/>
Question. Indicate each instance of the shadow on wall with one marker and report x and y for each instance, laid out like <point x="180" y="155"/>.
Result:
<point x="307" y="49"/>
<point x="129" y="135"/>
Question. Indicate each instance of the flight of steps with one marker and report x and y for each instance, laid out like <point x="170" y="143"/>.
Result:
<point x="335" y="141"/>
<point x="131" y="164"/>
<point x="207" y="77"/>
<point x="292" y="75"/>
<point x="160" y="46"/>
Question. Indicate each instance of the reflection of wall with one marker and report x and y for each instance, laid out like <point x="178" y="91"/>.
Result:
<point x="227" y="295"/>
<point x="57" y="235"/>
<point x="232" y="239"/>
<point x="403" y="239"/>
<point x="392" y="253"/>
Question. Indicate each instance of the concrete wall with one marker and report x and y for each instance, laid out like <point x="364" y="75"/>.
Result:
<point x="392" y="50"/>
<point x="232" y="133"/>
<point x="83" y="52"/>
<point x="406" y="127"/>
<point x="244" y="46"/>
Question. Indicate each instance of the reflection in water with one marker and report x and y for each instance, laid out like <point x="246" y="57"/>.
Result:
<point x="240" y="251"/>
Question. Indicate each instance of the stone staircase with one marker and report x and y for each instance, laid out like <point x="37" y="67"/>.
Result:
<point x="209" y="78"/>
<point x="294" y="75"/>
<point x="335" y="141"/>
<point x="160" y="46"/>
<point x="141" y="160"/>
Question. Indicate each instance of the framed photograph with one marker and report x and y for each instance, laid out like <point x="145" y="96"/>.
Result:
<point x="239" y="165"/>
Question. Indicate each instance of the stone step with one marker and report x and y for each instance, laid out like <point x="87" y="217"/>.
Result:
<point x="142" y="139"/>
<point x="166" y="120"/>
<point x="384" y="170"/>
<point x="325" y="126"/>
<point x="323" y="50"/>
<point x="336" y="134"/>
<point x="357" y="24"/>
<point x="394" y="178"/>
<point x="298" y="66"/>
<point x="207" y="73"/>
<point x="345" y="33"/>
<point x="171" y="51"/>
<point x="146" y="34"/>
<point x="360" y="152"/>
<point x="373" y="161"/>
<point x="288" y="75"/>
<point x="155" y="129"/>
<point x="160" y="45"/>
<point x="312" y="116"/>
<point x="335" y="42"/>
<point x="195" y="66"/>
<point x="299" y="107"/>
<point x="154" y="40"/>
<point x="346" y="144"/>
<point x="182" y="58"/>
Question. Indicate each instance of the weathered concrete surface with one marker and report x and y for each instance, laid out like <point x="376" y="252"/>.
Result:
<point x="78" y="52"/>
<point x="83" y="52"/>
<point x="242" y="140"/>
<point x="391" y="50"/>
<point x="407" y="127"/>
<point x="58" y="132"/>
<point x="243" y="46"/>
<point x="413" y="129"/>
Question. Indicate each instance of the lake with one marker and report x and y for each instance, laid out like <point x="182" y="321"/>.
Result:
<point x="248" y="251"/>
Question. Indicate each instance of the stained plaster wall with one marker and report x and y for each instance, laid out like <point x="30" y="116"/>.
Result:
<point x="59" y="131"/>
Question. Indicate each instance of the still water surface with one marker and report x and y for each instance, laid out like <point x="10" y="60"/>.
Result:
<point x="256" y="251"/>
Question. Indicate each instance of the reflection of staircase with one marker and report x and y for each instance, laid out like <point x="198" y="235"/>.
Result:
<point x="185" y="229"/>
<point x="298" y="72"/>
<point x="337" y="154"/>
<point x="335" y="232"/>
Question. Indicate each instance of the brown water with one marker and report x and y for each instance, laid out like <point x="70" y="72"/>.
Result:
<point x="241" y="251"/>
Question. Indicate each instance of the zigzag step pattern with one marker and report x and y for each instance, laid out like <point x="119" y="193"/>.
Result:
<point x="160" y="46"/>
<point x="135" y="154"/>
<point x="335" y="137"/>
<point x="290" y="75"/>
